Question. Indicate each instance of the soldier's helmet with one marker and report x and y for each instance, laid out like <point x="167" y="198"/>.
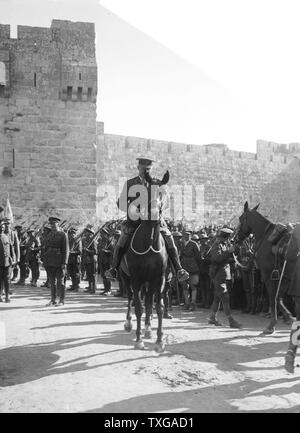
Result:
<point x="195" y="237"/>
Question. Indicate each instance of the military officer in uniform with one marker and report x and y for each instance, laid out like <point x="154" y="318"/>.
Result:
<point x="75" y="246"/>
<point x="89" y="258"/>
<point x="128" y="195"/>
<point x="55" y="257"/>
<point x="190" y="258"/>
<point x="221" y="257"/>
<point x="6" y="261"/>
<point x="204" y="279"/>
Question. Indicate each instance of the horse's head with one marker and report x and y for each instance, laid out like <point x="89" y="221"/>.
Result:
<point x="159" y="195"/>
<point x="245" y="227"/>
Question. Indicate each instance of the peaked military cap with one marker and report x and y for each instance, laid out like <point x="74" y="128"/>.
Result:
<point x="203" y="236"/>
<point x="145" y="161"/>
<point x="177" y="234"/>
<point x="189" y="232"/>
<point x="195" y="237"/>
<point x="55" y="219"/>
<point x="87" y="229"/>
<point x="226" y="230"/>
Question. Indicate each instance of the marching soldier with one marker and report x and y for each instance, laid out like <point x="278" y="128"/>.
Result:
<point x="74" y="259"/>
<point x="33" y="256"/>
<point x="55" y="257"/>
<point x="89" y="258"/>
<point x="221" y="256"/>
<point x="6" y="260"/>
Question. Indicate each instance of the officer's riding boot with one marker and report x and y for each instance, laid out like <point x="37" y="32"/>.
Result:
<point x="213" y="320"/>
<point x="111" y="274"/>
<point x="253" y="303"/>
<point x="234" y="323"/>
<point x="167" y="315"/>
<point x="182" y="274"/>
<point x="93" y="288"/>
<point x="248" y="303"/>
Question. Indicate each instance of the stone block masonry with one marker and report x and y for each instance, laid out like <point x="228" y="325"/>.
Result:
<point x="214" y="182"/>
<point x="48" y="90"/>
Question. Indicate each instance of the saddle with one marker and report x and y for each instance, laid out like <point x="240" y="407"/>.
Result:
<point x="279" y="238"/>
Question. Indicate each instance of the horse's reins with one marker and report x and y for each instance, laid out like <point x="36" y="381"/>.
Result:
<point x="150" y="247"/>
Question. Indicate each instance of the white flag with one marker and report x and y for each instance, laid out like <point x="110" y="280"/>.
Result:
<point x="8" y="212"/>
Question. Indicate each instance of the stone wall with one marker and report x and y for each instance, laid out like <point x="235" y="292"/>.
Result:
<point x="214" y="181"/>
<point x="48" y="119"/>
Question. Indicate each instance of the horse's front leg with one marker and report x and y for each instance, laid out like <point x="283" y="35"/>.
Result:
<point x="271" y="288"/>
<point x="128" y="323"/>
<point x="148" y="304"/>
<point x="139" y="344"/>
<point x="287" y="315"/>
<point x="160" y="346"/>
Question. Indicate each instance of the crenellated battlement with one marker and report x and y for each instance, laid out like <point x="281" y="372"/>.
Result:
<point x="228" y="177"/>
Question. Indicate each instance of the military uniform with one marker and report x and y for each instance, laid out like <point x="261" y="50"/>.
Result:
<point x="16" y="269"/>
<point x="204" y="279"/>
<point x="13" y="237"/>
<point x="105" y="251"/>
<point x="55" y="257"/>
<point x="221" y="256"/>
<point x="190" y="260"/>
<point x="45" y="234"/>
<point x="89" y="259"/>
<point x="6" y="261"/>
<point x="129" y="194"/>
<point x="246" y="259"/>
<point x="74" y="262"/>
<point x="33" y="249"/>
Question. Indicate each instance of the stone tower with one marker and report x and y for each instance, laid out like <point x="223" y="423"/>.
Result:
<point x="48" y="91"/>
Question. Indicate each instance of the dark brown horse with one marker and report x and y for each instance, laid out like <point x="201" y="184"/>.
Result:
<point x="147" y="260"/>
<point x="252" y="221"/>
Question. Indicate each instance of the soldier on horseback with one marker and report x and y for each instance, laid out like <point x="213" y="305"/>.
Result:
<point x="125" y="203"/>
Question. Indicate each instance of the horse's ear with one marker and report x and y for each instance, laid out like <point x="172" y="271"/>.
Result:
<point x="256" y="207"/>
<point x="166" y="178"/>
<point x="246" y="206"/>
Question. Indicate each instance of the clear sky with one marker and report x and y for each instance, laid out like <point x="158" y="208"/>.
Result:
<point x="192" y="71"/>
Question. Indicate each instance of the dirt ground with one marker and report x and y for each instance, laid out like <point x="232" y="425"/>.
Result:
<point x="78" y="358"/>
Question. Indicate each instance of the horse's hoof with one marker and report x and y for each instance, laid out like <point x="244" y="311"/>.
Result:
<point x="289" y="362"/>
<point x="139" y="345"/>
<point x="268" y="331"/>
<point x="127" y="327"/>
<point x="160" y="347"/>
<point x="148" y="335"/>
